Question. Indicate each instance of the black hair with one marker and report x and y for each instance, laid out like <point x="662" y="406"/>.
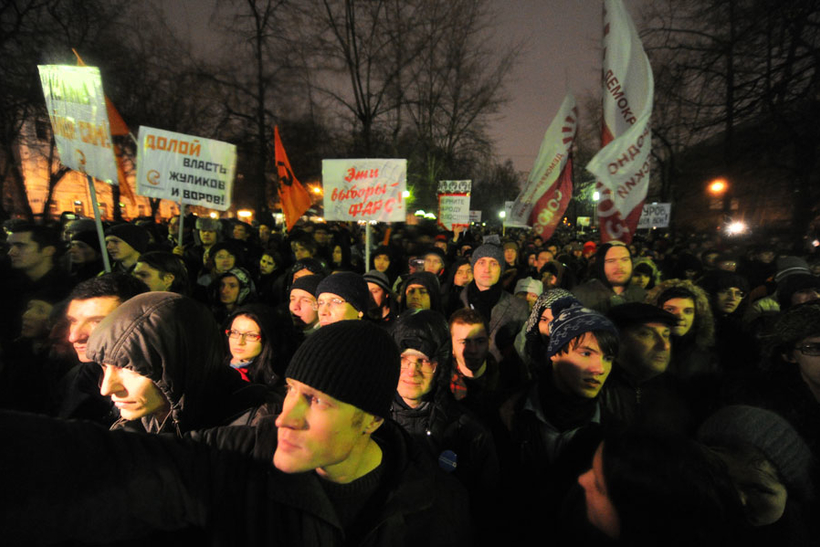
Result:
<point x="608" y="341"/>
<point x="469" y="316"/>
<point x="123" y="286"/>
<point x="262" y="369"/>
<point x="168" y="263"/>
<point x="43" y="236"/>
<point x="232" y="247"/>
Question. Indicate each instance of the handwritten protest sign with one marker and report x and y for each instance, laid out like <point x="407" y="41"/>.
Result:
<point x="655" y="215"/>
<point x="364" y="189"/>
<point x="76" y="106"/>
<point x="185" y="168"/>
<point x="454" y="203"/>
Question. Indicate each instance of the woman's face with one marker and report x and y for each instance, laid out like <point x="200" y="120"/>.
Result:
<point x="223" y="261"/>
<point x="337" y="254"/>
<point x="544" y="322"/>
<point x="266" y="265"/>
<point x="244" y="339"/>
<point x="463" y="276"/>
<point x="381" y="263"/>
<point x="729" y="299"/>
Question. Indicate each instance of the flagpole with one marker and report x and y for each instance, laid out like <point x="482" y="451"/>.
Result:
<point x="98" y="222"/>
<point x="181" y="221"/>
<point x="366" y="246"/>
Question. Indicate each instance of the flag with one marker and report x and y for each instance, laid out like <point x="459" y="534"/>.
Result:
<point x="549" y="165"/>
<point x="294" y="197"/>
<point x="117" y="127"/>
<point x="622" y="165"/>
<point x="549" y="210"/>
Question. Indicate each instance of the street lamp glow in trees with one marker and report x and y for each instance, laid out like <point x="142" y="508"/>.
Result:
<point x="718" y="187"/>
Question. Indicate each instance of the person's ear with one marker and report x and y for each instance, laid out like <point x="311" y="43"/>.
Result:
<point x="373" y="423"/>
<point x="168" y="279"/>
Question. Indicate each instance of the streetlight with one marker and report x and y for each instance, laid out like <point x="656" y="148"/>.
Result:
<point x="718" y="187"/>
<point x="502" y="215"/>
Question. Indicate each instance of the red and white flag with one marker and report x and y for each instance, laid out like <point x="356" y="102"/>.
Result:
<point x="622" y="165"/>
<point x="542" y="202"/>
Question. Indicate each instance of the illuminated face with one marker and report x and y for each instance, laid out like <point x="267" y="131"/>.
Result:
<point x="618" y="266"/>
<point x="133" y="394"/>
<point x="229" y="290"/>
<point x="645" y="349"/>
<point x="417" y="297"/>
<point x="35" y="319"/>
<point x="729" y="299"/>
<point x="333" y="308"/>
<point x="81" y="253"/>
<point x="244" y="339"/>
<point x="240" y="232"/>
<point x="684" y="310"/>
<point x="600" y="511"/>
<point x="381" y="263"/>
<point x="583" y="370"/>
<point x="378" y="294"/>
<point x="510" y="255"/>
<point x="337" y="255"/>
<point x="266" y="264"/>
<point x="83" y="317"/>
<point x="470" y="347"/>
<point x="156" y="280"/>
<point x="463" y="275"/>
<point x="207" y="237"/>
<point x="416" y="379"/>
<point x="301" y="308"/>
<point x="119" y="250"/>
<point x="487" y="272"/>
<point x="433" y="264"/>
<point x="25" y="253"/>
<point x="316" y="431"/>
<point x="544" y="322"/>
<point x="223" y="261"/>
<point x="542" y="258"/>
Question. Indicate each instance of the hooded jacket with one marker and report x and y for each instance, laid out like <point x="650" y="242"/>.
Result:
<point x="175" y="342"/>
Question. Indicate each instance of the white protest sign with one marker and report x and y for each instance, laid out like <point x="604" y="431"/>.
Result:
<point x="186" y="169"/>
<point x="364" y="189"/>
<point x="475" y="216"/>
<point x="508" y="220"/>
<point x="76" y="106"/>
<point x="655" y="215"/>
<point x="454" y="203"/>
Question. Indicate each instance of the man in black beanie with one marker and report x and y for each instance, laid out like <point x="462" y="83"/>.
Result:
<point x="125" y="243"/>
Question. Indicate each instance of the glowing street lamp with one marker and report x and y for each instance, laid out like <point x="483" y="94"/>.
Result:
<point x="502" y="215"/>
<point x="718" y="187"/>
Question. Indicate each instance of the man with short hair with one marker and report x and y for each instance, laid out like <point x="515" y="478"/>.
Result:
<point x="162" y="271"/>
<point x="610" y="285"/>
<point x="302" y="304"/>
<point x="342" y="296"/>
<point x="383" y="311"/>
<point x="125" y="243"/>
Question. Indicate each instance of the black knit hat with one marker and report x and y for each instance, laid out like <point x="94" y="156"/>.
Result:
<point x="574" y="321"/>
<point x="638" y="313"/>
<point x="90" y="238"/>
<point x="307" y="283"/>
<point x="355" y="362"/>
<point x="136" y="236"/>
<point x="350" y="286"/>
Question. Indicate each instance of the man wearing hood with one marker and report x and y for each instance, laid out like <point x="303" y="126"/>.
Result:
<point x="162" y="358"/>
<point x="610" y="285"/>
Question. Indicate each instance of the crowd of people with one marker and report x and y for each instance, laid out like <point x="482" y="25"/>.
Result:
<point x="240" y="385"/>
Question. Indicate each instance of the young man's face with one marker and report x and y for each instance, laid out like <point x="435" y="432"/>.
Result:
<point x="119" y="250"/>
<point x="583" y="370"/>
<point x="333" y="308"/>
<point x="207" y="237"/>
<point x="470" y="347"/>
<point x="542" y="258"/>
<point x="156" y="280"/>
<point x="240" y="232"/>
<point x="84" y="316"/>
<point x="487" y="272"/>
<point x="133" y="394"/>
<point x="301" y="308"/>
<point x="729" y="299"/>
<point x="319" y="432"/>
<point x="684" y="310"/>
<point x="808" y="364"/>
<point x="618" y="266"/>
<point x="228" y="290"/>
<point x="378" y="294"/>
<point x="416" y="379"/>
<point x="417" y="297"/>
<point x="646" y="349"/>
<point x="25" y="253"/>
<point x="433" y="264"/>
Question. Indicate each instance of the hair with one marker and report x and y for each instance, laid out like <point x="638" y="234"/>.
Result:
<point x="468" y="316"/>
<point x="168" y="263"/>
<point x="608" y="341"/>
<point x="306" y="241"/>
<point x="600" y="260"/>
<point x="123" y="286"/>
<point x="262" y="369"/>
<point x="43" y="236"/>
<point x="231" y="247"/>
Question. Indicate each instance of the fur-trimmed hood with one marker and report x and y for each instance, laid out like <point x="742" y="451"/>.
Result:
<point x="704" y="327"/>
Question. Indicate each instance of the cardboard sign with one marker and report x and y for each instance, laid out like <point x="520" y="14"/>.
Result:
<point x="364" y="189"/>
<point x="655" y="215"/>
<point x="186" y="169"/>
<point x="76" y="106"/>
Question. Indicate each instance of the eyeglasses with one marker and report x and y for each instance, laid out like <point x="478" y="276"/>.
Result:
<point x="734" y="293"/>
<point x="418" y="363"/>
<point x="252" y="336"/>
<point x="332" y="303"/>
<point x="812" y="350"/>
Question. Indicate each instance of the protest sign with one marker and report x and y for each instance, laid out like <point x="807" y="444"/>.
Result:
<point x="453" y="203"/>
<point x="364" y="189"/>
<point x="76" y="106"/>
<point x="475" y="216"/>
<point x="186" y="169"/>
<point x="655" y="215"/>
<point x="510" y="222"/>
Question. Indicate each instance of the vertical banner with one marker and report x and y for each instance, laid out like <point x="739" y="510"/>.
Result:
<point x="550" y="209"/>
<point x="185" y="169"/>
<point x="508" y="220"/>
<point x="454" y="203"/>
<point x="622" y="165"/>
<point x="76" y="106"/>
<point x="364" y="189"/>
<point x="549" y="164"/>
<point x="294" y="197"/>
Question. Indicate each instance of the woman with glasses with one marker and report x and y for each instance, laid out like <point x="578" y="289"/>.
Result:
<point x="250" y="331"/>
<point x="735" y="345"/>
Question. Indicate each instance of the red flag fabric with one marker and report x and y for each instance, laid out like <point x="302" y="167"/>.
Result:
<point x="550" y="208"/>
<point x="294" y="197"/>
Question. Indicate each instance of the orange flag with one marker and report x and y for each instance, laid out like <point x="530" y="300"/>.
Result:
<point x="294" y="197"/>
<point x="119" y="128"/>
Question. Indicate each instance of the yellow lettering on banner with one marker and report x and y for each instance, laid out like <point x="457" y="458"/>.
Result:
<point x="183" y="147"/>
<point x="93" y="134"/>
<point x="195" y="148"/>
<point x="162" y="142"/>
<point x="172" y="145"/>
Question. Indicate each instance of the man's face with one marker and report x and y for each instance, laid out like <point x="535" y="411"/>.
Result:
<point x="381" y="263"/>
<point x="470" y="347"/>
<point x="300" y="251"/>
<point x="416" y="379"/>
<point x="487" y="271"/>
<point x="302" y="273"/>
<point x="542" y="258"/>
<point x="301" y="308"/>
<point x="240" y="232"/>
<point x="729" y="299"/>
<point x="321" y="236"/>
<point x="510" y="255"/>
<point x="417" y="297"/>
<point x="684" y="310"/>
<point x="84" y="316"/>
<point x="133" y="394"/>
<point x="207" y="237"/>
<point x="152" y="277"/>
<point x="229" y="290"/>
<point x="173" y="228"/>
<point x="264" y="233"/>
<point x="80" y="252"/>
<point x="618" y="266"/>
<point x="583" y="370"/>
<point x="377" y="293"/>
<point x="808" y="364"/>
<point x="441" y="245"/>
<point x="266" y="264"/>
<point x="433" y="264"/>
<point x="463" y="275"/>
<point x="316" y="431"/>
<point x="333" y="308"/>
<point x="806" y="295"/>
<point x="645" y="349"/>
<point x="119" y="250"/>
<point x="640" y="279"/>
<point x="25" y="254"/>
